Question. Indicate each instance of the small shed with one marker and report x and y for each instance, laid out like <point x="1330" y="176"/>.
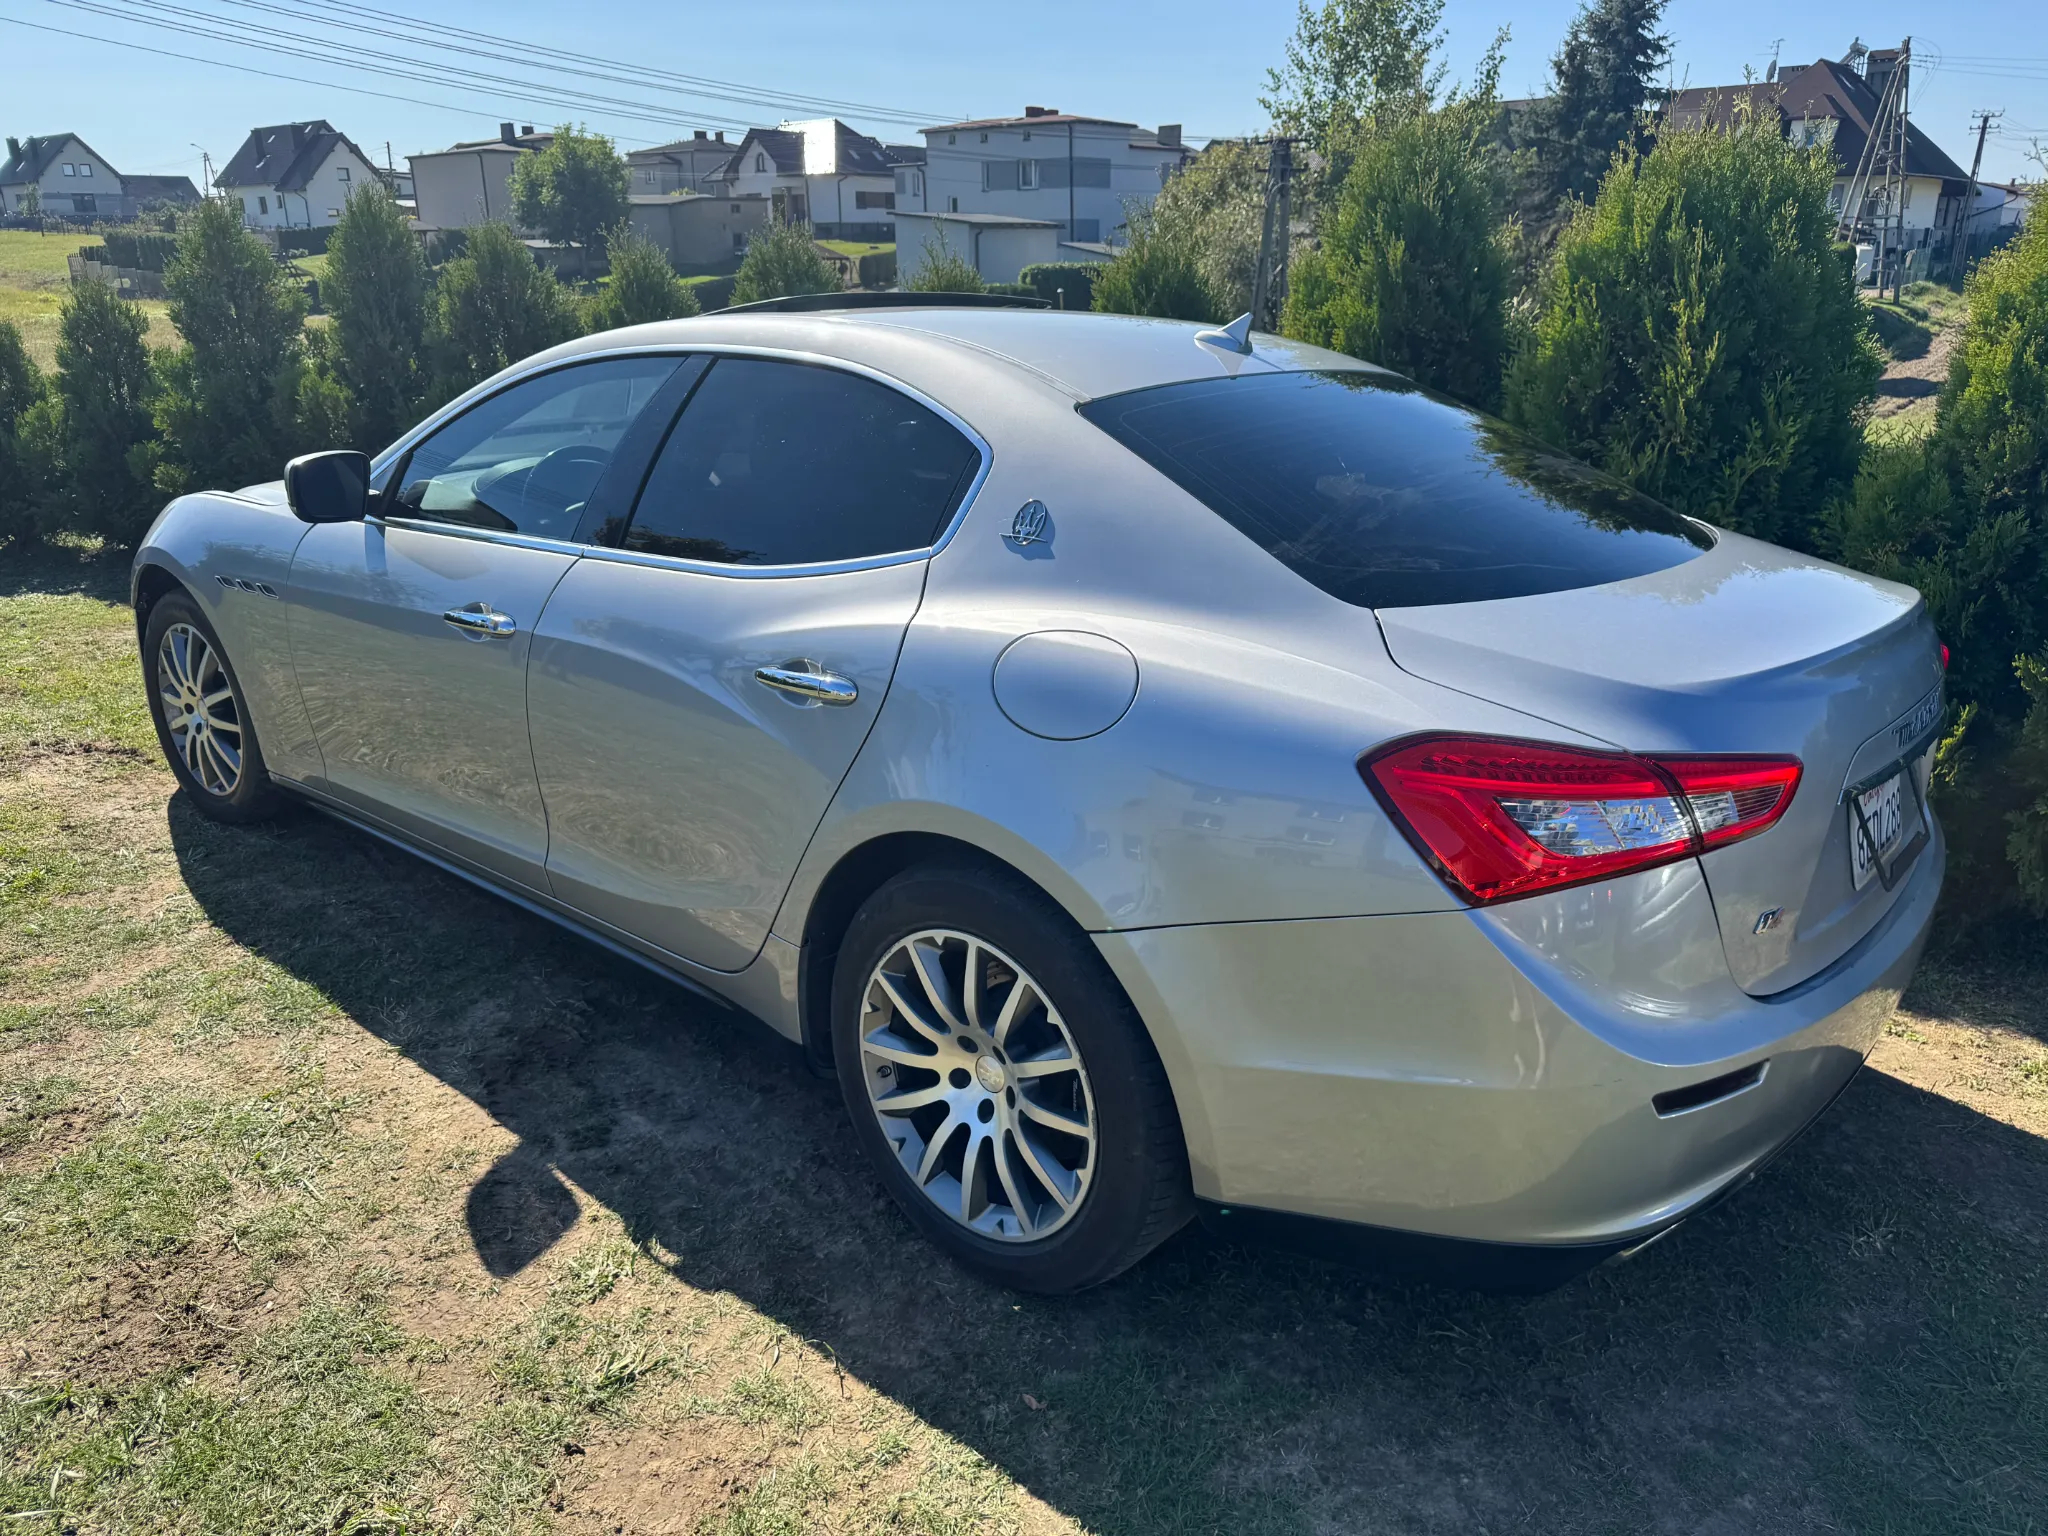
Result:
<point x="997" y="244"/>
<point x="696" y="230"/>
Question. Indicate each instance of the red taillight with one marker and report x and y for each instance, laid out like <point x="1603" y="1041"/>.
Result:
<point x="1502" y="818"/>
<point x="1944" y="657"/>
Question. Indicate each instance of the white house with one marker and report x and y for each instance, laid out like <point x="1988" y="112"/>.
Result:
<point x="2000" y="203"/>
<point x="1077" y="172"/>
<point x="294" y="175"/>
<point x="822" y="172"/>
<point x="687" y="165"/>
<point x="72" y="181"/>
<point x="470" y="182"/>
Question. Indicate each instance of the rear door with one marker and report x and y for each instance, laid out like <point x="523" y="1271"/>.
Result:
<point x="699" y="688"/>
<point x="410" y="631"/>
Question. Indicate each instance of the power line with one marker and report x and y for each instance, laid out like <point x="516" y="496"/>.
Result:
<point x="470" y="111"/>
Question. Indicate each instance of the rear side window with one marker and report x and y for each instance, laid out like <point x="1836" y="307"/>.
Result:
<point x="1388" y="495"/>
<point x="787" y="464"/>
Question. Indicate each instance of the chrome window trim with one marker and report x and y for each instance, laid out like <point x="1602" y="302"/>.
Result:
<point x="618" y="556"/>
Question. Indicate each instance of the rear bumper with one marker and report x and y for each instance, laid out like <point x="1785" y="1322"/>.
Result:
<point x="1576" y="1072"/>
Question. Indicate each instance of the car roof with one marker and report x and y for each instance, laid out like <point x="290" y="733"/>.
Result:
<point x="1086" y="355"/>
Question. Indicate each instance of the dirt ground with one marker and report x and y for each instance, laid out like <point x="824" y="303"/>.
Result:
<point x="338" y="1196"/>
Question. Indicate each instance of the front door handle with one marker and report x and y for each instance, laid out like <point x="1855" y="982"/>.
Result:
<point x="481" y="619"/>
<point x="808" y="684"/>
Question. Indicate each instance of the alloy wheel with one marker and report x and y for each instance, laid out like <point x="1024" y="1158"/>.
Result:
<point x="201" y="712"/>
<point x="978" y="1085"/>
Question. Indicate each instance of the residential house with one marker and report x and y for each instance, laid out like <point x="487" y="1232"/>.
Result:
<point x="1078" y="172"/>
<point x="1999" y="204"/>
<point x="687" y="165"/>
<point x="294" y="175"/>
<point x="1836" y="103"/>
<point x="698" y="229"/>
<point x="998" y="245"/>
<point x="73" y="181"/>
<point x="841" y="182"/>
<point x="470" y="182"/>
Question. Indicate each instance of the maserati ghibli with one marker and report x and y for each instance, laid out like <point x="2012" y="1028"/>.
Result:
<point x="1158" y="770"/>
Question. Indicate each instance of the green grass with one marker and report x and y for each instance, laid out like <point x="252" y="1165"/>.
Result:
<point x="337" y="1196"/>
<point x="33" y="280"/>
<point x="858" y="247"/>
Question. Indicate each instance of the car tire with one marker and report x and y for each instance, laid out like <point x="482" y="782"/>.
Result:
<point x="1039" y="1209"/>
<point x="206" y="734"/>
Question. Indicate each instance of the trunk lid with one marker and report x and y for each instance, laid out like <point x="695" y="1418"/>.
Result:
<point x="1747" y="648"/>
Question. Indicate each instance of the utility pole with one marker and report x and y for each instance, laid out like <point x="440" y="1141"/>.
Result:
<point x="1961" y="255"/>
<point x="1905" y="184"/>
<point x="1269" y="280"/>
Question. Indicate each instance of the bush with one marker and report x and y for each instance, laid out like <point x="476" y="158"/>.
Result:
<point x="103" y="427"/>
<point x="876" y="269"/>
<point x="1410" y="272"/>
<point x="1062" y="284"/>
<point x="492" y="307"/>
<point x="783" y="259"/>
<point x="1216" y="206"/>
<point x="1158" y="273"/>
<point x="144" y="250"/>
<point x="642" y="287"/>
<point x="21" y="390"/>
<point x="377" y="289"/>
<point x="229" y="397"/>
<point x="1700" y="335"/>
<point x="941" y="269"/>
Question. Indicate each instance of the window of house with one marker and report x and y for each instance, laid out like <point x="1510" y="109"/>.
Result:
<point x="952" y="138"/>
<point x="527" y="459"/>
<point x="984" y="138"/>
<point x="735" y="207"/>
<point x="342" y="172"/>
<point x="85" y="167"/>
<point x="1089" y="230"/>
<point x="760" y="162"/>
<point x="917" y="183"/>
<point x="1027" y="175"/>
<point x="263" y="205"/>
<point x="779" y="463"/>
<point x="952" y="205"/>
<point x="1027" y="133"/>
<point x="84" y="202"/>
<point x="70" y="169"/>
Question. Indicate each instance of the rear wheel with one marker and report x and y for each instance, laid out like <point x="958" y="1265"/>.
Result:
<point x="201" y="720"/>
<point x="1002" y="1084"/>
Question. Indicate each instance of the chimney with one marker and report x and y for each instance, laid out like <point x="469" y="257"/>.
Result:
<point x="698" y="134"/>
<point x="1169" y="135"/>
<point x="721" y="136"/>
<point x="526" y="130"/>
<point x="1041" y="111"/>
<point x="13" y="147"/>
<point x="505" y="133"/>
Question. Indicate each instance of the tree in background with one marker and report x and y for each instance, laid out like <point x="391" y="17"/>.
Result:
<point x="1350" y="59"/>
<point x="572" y="191"/>
<point x="1158" y="272"/>
<point x="493" y="306"/>
<point x="229" y="400"/>
<point x="783" y="259"/>
<point x="941" y="269"/>
<point x="376" y="286"/>
<point x="1410" y="272"/>
<point x="1215" y="206"/>
<point x="642" y="288"/>
<point x="21" y="390"/>
<point x="106" y="431"/>
<point x="1601" y="84"/>
<point x="1700" y="335"/>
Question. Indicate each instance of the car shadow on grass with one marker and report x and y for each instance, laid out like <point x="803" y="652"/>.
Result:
<point x="1850" y="1343"/>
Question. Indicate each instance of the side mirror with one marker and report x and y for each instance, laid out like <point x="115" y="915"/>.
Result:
<point x="329" y="487"/>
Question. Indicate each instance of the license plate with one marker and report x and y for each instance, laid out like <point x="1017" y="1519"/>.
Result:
<point x="1884" y="813"/>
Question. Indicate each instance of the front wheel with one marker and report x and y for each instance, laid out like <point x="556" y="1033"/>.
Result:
<point x="201" y="720"/>
<point x="1002" y="1084"/>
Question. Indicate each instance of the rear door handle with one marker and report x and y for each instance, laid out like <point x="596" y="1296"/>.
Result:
<point x="481" y="619"/>
<point x="807" y="683"/>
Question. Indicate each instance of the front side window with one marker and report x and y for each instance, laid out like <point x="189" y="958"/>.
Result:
<point x="263" y="204"/>
<point x="787" y="464"/>
<point x="1027" y="174"/>
<point x="1388" y="495"/>
<point x="527" y="459"/>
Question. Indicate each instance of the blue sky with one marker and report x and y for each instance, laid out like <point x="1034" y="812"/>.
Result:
<point x="1197" y="62"/>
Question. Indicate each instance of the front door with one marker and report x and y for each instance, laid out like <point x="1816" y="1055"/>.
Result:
<point x="411" y="631"/>
<point x="697" y="694"/>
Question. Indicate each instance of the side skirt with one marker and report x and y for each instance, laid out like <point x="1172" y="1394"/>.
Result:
<point x="744" y="982"/>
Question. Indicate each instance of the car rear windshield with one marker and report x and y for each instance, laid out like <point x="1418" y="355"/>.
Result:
<point x="1389" y="495"/>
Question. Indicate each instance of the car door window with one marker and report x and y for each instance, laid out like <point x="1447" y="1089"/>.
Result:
<point x="778" y="463"/>
<point x="528" y="459"/>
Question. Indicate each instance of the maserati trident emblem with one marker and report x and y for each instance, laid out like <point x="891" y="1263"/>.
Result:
<point x="1766" y="921"/>
<point x="1028" y="526"/>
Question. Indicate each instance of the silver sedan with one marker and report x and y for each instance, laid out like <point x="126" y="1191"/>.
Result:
<point x="1159" y="771"/>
